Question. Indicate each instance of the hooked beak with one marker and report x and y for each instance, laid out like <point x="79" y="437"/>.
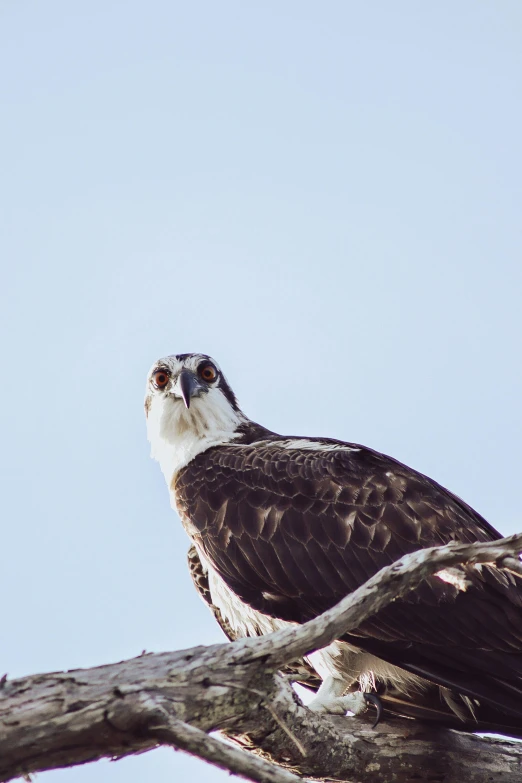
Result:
<point x="188" y="386"/>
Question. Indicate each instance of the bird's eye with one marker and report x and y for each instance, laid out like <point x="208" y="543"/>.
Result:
<point x="208" y="373"/>
<point x="160" y="378"/>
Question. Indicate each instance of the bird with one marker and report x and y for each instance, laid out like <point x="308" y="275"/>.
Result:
<point x="283" y="527"/>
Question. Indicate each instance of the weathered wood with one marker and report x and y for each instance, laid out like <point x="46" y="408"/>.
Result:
<point x="66" y="718"/>
<point x="53" y="720"/>
<point x="62" y="719"/>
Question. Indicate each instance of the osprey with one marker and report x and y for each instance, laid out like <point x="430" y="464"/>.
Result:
<point x="284" y="527"/>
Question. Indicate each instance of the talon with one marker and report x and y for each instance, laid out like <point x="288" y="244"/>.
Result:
<point x="374" y="700"/>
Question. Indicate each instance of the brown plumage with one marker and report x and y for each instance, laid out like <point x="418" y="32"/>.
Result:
<point x="289" y="526"/>
<point x="291" y="532"/>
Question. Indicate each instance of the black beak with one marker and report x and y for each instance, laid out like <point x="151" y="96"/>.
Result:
<point x="188" y="384"/>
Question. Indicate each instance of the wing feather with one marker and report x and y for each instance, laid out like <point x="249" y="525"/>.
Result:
<point x="292" y="531"/>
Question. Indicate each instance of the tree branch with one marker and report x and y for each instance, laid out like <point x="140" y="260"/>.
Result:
<point x="186" y="737"/>
<point x="61" y="719"/>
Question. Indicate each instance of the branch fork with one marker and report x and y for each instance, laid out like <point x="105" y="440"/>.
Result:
<point x="65" y="718"/>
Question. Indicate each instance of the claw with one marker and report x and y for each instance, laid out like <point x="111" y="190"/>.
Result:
<point x="374" y="700"/>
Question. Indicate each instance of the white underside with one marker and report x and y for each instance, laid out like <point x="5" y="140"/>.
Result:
<point x="178" y="434"/>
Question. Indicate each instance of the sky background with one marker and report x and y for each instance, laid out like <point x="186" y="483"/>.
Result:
<point x="326" y="197"/>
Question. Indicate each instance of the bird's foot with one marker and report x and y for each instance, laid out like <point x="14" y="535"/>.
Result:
<point x="374" y="700"/>
<point x="330" y="701"/>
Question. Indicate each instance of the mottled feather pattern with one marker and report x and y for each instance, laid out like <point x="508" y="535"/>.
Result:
<point x="293" y="532"/>
<point x="285" y="527"/>
<point x="292" y="501"/>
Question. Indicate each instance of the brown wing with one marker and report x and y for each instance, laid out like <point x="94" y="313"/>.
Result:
<point x="292" y="531"/>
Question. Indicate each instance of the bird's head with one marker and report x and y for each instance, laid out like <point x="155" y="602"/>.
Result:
<point x="189" y="407"/>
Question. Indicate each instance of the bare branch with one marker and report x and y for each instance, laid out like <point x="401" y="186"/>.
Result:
<point x="61" y="719"/>
<point x="182" y="735"/>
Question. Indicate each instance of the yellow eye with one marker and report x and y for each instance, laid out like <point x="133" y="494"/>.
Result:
<point x="160" y="378"/>
<point x="208" y="373"/>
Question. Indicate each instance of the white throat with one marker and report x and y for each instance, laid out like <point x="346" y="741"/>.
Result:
<point x="178" y="434"/>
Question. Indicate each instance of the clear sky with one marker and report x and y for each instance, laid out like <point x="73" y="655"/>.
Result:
<point x="326" y="197"/>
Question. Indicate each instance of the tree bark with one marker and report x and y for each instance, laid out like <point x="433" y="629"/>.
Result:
<point x="66" y="718"/>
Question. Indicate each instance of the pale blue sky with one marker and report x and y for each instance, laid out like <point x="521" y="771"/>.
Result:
<point x="324" y="196"/>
